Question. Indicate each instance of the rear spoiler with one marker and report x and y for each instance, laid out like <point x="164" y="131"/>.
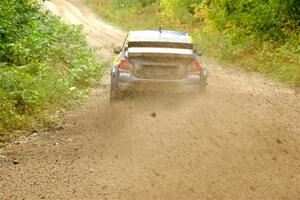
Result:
<point x="145" y="51"/>
<point x="157" y="44"/>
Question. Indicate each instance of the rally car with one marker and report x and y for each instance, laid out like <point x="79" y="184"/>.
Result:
<point x="157" y="57"/>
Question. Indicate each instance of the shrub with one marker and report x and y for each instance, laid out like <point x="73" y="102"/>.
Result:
<point x="41" y="58"/>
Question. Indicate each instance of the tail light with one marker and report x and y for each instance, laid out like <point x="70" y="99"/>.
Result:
<point x="124" y="64"/>
<point x="194" y="66"/>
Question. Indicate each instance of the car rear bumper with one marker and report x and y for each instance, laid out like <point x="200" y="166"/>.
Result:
<point x="193" y="81"/>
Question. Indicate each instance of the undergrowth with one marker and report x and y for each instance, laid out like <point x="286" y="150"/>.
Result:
<point x="44" y="63"/>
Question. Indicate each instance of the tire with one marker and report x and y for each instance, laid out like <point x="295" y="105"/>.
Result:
<point x="114" y="89"/>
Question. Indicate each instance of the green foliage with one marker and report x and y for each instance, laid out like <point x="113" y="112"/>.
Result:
<point x="262" y="35"/>
<point x="40" y="60"/>
<point x="178" y="12"/>
<point x="129" y="14"/>
<point x="266" y="20"/>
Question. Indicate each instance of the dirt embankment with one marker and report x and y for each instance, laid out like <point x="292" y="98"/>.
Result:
<point x="240" y="140"/>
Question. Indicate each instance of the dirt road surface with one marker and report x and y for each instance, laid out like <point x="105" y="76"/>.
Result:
<point x="238" y="141"/>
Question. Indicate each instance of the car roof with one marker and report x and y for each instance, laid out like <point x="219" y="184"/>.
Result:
<point x="159" y="36"/>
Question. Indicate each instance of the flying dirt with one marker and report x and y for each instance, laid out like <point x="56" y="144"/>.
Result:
<point x="239" y="140"/>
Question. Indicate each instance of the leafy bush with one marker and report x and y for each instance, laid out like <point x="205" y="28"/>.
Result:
<point x="40" y="60"/>
<point x="266" y="20"/>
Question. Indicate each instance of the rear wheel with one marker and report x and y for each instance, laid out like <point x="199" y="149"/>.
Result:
<point x="114" y="88"/>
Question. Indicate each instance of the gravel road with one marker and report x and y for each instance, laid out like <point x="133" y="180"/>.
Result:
<point x="240" y="140"/>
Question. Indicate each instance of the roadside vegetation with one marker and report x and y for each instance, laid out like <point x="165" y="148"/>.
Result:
<point x="44" y="63"/>
<point x="261" y="35"/>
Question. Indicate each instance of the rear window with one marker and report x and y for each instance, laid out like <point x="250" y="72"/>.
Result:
<point x="164" y="59"/>
<point x="161" y="45"/>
